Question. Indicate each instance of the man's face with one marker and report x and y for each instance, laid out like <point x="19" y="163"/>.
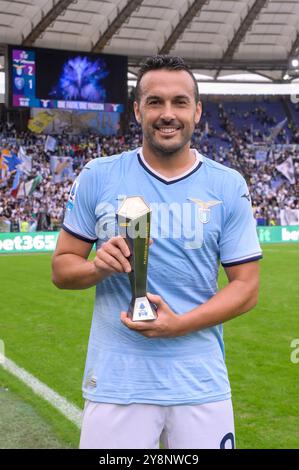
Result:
<point x="167" y="110"/>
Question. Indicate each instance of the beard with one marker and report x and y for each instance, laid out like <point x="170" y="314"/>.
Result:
<point x="167" y="149"/>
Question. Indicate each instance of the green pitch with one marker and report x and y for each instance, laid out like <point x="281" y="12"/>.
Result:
<point x="46" y="330"/>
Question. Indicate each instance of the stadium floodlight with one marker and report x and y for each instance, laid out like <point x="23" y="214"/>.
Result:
<point x="293" y="65"/>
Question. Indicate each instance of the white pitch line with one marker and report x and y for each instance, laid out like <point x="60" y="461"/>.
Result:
<point x="70" y="411"/>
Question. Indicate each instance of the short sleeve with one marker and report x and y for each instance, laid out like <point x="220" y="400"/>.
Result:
<point x="80" y="218"/>
<point x="239" y="241"/>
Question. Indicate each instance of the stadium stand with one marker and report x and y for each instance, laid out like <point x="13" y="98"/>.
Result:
<point x="258" y="137"/>
<point x="232" y="134"/>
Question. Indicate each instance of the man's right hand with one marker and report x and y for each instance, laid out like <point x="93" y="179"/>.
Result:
<point x="112" y="257"/>
<point x="71" y="268"/>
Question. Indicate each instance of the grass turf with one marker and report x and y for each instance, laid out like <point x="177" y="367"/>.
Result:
<point x="45" y="330"/>
<point x="23" y="426"/>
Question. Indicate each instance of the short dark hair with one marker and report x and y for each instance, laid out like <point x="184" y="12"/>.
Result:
<point x="167" y="62"/>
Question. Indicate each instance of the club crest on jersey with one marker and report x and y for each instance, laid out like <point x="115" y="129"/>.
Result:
<point x="204" y="211"/>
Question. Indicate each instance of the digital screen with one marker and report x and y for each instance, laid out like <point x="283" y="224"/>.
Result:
<point x="46" y="78"/>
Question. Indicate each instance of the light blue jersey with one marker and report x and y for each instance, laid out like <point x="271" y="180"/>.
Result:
<point x="199" y="219"/>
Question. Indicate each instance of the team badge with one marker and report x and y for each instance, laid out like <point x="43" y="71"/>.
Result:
<point x="204" y="211"/>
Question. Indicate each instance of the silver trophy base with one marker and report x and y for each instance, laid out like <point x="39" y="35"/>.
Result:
<point x="141" y="309"/>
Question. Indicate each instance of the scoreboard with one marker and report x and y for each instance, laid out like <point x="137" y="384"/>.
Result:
<point x="72" y="80"/>
<point x="23" y="79"/>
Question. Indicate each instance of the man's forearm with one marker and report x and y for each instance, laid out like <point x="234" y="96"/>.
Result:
<point x="73" y="272"/>
<point x="235" y="298"/>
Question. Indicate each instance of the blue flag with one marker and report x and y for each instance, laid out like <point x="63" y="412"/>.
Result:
<point x="12" y="160"/>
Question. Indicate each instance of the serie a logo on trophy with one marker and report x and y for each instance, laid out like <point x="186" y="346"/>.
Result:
<point x="133" y="218"/>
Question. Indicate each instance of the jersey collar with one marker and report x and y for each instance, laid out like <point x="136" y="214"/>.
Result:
<point x="175" y="179"/>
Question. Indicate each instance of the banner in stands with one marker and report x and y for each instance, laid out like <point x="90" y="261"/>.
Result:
<point x="61" y="169"/>
<point x="46" y="241"/>
<point x="289" y="216"/>
<point x="57" y="121"/>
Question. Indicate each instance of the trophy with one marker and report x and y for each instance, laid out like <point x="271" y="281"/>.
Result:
<point x="133" y="219"/>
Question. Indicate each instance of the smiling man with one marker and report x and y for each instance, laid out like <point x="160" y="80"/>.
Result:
<point x="167" y="108"/>
<point x="164" y="379"/>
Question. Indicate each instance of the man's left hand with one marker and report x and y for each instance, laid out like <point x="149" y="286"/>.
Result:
<point x="167" y="323"/>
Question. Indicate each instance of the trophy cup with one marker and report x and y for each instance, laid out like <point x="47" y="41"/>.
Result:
<point x="133" y="219"/>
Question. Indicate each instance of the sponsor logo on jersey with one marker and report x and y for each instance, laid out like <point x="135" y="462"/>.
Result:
<point x="247" y="196"/>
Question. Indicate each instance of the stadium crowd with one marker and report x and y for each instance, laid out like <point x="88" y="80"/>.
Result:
<point x="224" y="142"/>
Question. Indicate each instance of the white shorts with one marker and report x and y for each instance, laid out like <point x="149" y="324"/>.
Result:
<point x="139" y="426"/>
